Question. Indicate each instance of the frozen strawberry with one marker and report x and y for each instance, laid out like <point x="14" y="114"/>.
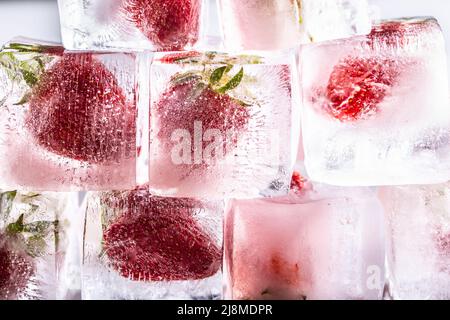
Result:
<point x="358" y="85"/>
<point x="158" y="239"/>
<point x="16" y="269"/>
<point x="196" y="97"/>
<point x="170" y="25"/>
<point x="78" y="110"/>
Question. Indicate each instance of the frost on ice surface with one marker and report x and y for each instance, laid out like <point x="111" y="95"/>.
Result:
<point x="220" y="125"/>
<point x="418" y="230"/>
<point x="138" y="246"/>
<point x="324" y="20"/>
<point x="67" y="120"/>
<point x="282" y="24"/>
<point x="130" y="24"/>
<point x="377" y="112"/>
<point x="31" y="244"/>
<point x="316" y="243"/>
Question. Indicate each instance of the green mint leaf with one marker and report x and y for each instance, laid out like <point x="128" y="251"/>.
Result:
<point x="16" y="227"/>
<point x="217" y="75"/>
<point x="3" y="100"/>
<point x="233" y="83"/>
<point x="243" y="103"/>
<point x="298" y="7"/>
<point x="36" y="246"/>
<point x="181" y="78"/>
<point x="6" y="201"/>
<point x="10" y="64"/>
<point x="38" y="228"/>
<point x="21" y="47"/>
<point x="30" y="78"/>
<point x="10" y="195"/>
<point x="31" y="195"/>
<point x="40" y="63"/>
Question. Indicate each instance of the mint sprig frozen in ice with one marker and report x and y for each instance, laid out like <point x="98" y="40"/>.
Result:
<point x="32" y="236"/>
<point x="219" y="80"/>
<point x="25" y="63"/>
<point x="233" y="83"/>
<point x="210" y="58"/>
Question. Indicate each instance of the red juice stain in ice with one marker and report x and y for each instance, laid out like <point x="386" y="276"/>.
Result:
<point x="286" y="272"/>
<point x="297" y="182"/>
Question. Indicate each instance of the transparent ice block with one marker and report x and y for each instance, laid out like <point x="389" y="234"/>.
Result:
<point x="33" y="243"/>
<point x="282" y="24"/>
<point x="325" y="243"/>
<point x="220" y="125"/>
<point x="376" y="108"/>
<point x="159" y="25"/>
<point x="418" y="246"/>
<point x="138" y="246"/>
<point x="68" y="120"/>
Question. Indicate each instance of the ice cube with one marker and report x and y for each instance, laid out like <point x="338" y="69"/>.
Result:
<point x="220" y="125"/>
<point x="322" y="243"/>
<point x="376" y="109"/>
<point x="32" y="244"/>
<point x="324" y="20"/>
<point x="130" y="24"/>
<point x="418" y="232"/>
<point x="282" y="24"/>
<point x="138" y="246"/>
<point x="68" y="120"/>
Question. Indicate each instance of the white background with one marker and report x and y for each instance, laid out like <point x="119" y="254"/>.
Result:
<point x="39" y="18"/>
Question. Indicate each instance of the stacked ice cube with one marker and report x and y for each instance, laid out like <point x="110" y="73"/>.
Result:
<point x="317" y="243"/>
<point x="220" y="124"/>
<point x="139" y="246"/>
<point x="131" y="102"/>
<point x="68" y="120"/>
<point x="418" y="248"/>
<point x="376" y="111"/>
<point x="33" y="241"/>
<point x="283" y="24"/>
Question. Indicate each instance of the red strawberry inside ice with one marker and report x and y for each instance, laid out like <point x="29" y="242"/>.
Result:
<point x="159" y="239"/>
<point x="191" y="99"/>
<point x="170" y="24"/>
<point x="16" y="269"/>
<point x="357" y="86"/>
<point x="78" y="110"/>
